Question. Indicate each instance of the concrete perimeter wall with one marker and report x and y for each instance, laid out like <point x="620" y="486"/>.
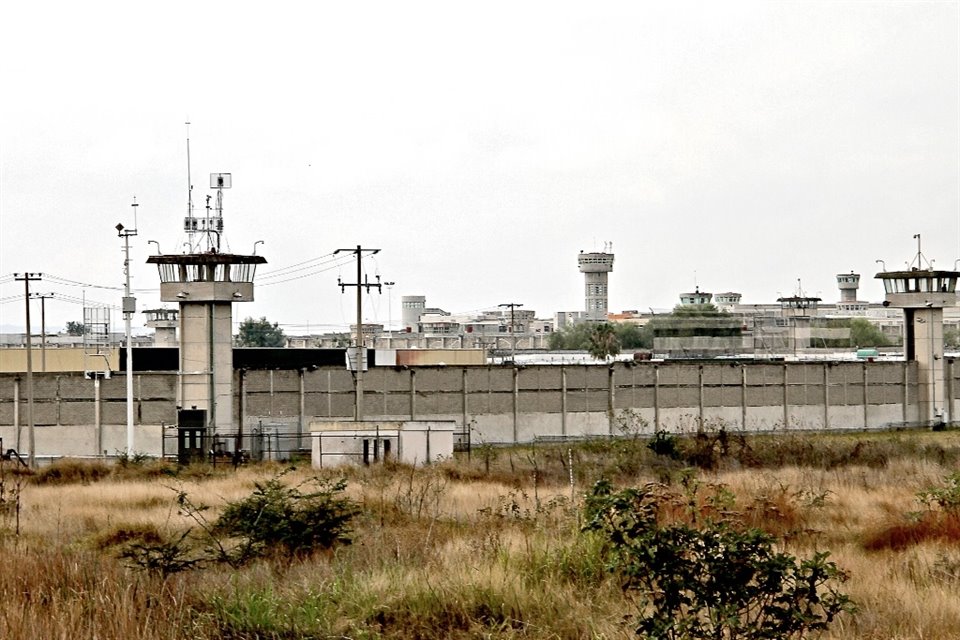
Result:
<point x="499" y="404"/>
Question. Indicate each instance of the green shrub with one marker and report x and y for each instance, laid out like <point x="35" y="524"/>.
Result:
<point x="714" y="580"/>
<point x="947" y="496"/>
<point x="280" y="520"/>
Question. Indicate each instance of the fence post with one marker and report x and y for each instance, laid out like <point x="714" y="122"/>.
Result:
<point x="866" y="407"/>
<point x="563" y="400"/>
<point x="743" y="396"/>
<point x="413" y="394"/>
<point x="700" y="396"/>
<point x="516" y="402"/>
<point x="826" y="395"/>
<point x="786" y="400"/>
<point x="656" y="397"/>
<point x="611" y="400"/>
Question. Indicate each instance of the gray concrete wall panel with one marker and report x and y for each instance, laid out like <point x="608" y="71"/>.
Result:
<point x="45" y="412"/>
<point x="78" y="412"/>
<point x="541" y="378"/>
<point x="76" y="387"/>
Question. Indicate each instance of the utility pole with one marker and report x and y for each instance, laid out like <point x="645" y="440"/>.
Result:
<point x="42" y="297"/>
<point x="129" y="308"/>
<point x="27" y="278"/>
<point x="513" y="328"/>
<point x="389" y="286"/>
<point x="358" y="377"/>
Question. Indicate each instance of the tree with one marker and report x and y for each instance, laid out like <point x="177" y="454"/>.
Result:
<point x="577" y="337"/>
<point x="864" y="333"/>
<point x="696" y="320"/>
<point x="571" y="338"/>
<point x="603" y="341"/>
<point x="260" y="333"/>
<point x="75" y="328"/>
<point x="951" y="338"/>
<point x="633" y="336"/>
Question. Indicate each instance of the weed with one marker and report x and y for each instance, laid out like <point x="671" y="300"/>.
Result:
<point x="163" y="557"/>
<point x="122" y="535"/>
<point x="71" y="471"/>
<point x="947" y="496"/>
<point x="940" y="520"/>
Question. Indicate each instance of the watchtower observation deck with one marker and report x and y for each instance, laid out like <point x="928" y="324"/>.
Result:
<point x="206" y="277"/>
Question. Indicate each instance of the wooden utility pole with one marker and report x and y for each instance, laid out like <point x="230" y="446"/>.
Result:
<point x="27" y="278"/>
<point x="42" y="297"/>
<point x="358" y="373"/>
<point x="513" y="328"/>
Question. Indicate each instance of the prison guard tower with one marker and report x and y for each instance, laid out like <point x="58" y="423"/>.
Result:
<point x="205" y="283"/>
<point x="922" y="292"/>
<point x="595" y="266"/>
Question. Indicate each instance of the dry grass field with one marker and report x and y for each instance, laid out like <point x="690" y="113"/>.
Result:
<point x="485" y="546"/>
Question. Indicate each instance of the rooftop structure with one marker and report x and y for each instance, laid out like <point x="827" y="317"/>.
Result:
<point x="696" y="297"/>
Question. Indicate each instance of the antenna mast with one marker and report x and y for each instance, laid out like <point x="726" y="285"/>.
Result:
<point x="920" y="259"/>
<point x="189" y="223"/>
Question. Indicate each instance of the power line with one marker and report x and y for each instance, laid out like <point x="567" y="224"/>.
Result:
<point x="278" y="270"/>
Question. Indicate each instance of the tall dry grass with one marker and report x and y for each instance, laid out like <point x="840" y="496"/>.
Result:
<point x="488" y="546"/>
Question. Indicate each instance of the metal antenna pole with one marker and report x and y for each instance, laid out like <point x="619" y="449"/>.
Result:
<point x="129" y="307"/>
<point x="358" y="377"/>
<point x="27" y="278"/>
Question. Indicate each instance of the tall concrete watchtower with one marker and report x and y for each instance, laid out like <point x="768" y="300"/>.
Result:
<point x="206" y="283"/>
<point x="595" y="267"/>
<point x="922" y="292"/>
<point x="848" y="283"/>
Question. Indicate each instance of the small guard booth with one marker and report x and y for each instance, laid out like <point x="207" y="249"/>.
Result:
<point x="414" y="442"/>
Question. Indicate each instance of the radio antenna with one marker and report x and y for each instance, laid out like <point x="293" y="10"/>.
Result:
<point x="189" y="223"/>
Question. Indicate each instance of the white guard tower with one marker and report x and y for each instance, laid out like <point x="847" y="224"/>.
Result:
<point x="164" y="324"/>
<point x="848" y="283"/>
<point x="595" y="267"/>
<point x="922" y="293"/>
<point x="206" y="283"/>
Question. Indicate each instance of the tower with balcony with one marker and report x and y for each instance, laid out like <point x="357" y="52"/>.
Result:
<point x="849" y="284"/>
<point x="164" y="323"/>
<point x="923" y="292"/>
<point x="595" y="266"/>
<point x="205" y="283"/>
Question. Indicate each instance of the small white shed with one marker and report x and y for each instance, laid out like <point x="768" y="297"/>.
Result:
<point x="414" y="442"/>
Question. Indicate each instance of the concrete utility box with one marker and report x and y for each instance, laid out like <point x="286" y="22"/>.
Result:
<point x="414" y="442"/>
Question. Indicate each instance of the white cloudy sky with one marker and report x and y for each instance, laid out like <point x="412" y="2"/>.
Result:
<point x="481" y="146"/>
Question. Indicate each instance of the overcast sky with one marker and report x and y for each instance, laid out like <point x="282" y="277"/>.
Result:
<point x="741" y="146"/>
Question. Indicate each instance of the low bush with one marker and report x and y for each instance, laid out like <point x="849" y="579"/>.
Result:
<point x="278" y="520"/>
<point x="712" y="580"/>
